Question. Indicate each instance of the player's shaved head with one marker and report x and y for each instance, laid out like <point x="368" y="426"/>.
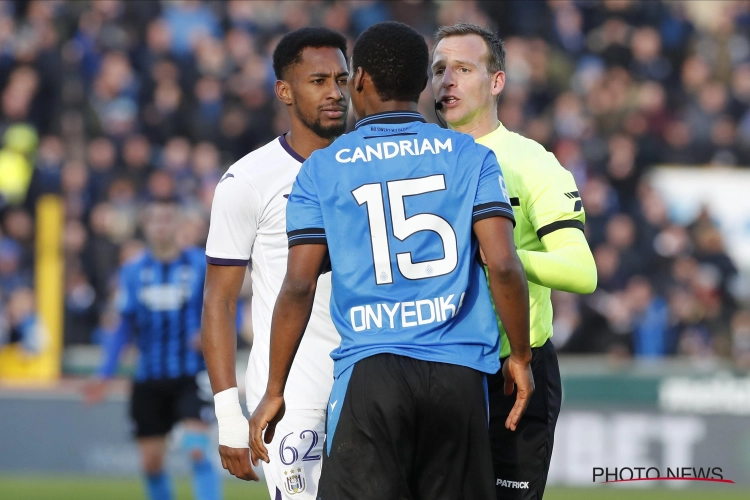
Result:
<point x="396" y="58"/>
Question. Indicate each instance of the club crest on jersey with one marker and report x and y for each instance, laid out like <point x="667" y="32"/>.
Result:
<point x="294" y="481"/>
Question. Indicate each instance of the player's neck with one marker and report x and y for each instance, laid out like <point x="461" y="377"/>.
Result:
<point x="375" y="105"/>
<point x="304" y="141"/>
<point x="483" y="125"/>
<point x="165" y="254"/>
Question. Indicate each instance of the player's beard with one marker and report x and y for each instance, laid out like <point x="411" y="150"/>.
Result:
<point x="329" y="132"/>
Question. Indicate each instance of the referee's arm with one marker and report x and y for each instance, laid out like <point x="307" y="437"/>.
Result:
<point x="510" y="293"/>
<point x="566" y="265"/>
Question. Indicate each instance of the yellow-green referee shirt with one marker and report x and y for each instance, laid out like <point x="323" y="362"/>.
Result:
<point x="545" y="200"/>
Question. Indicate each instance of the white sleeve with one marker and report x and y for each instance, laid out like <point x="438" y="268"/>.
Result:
<point x="235" y="212"/>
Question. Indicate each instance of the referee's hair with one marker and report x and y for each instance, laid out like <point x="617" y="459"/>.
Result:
<point x="289" y="50"/>
<point x="495" y="46"/>
<point x="396" y="58"/>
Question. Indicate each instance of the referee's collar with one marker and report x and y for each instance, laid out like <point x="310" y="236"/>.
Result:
<point x="391" y="117"/>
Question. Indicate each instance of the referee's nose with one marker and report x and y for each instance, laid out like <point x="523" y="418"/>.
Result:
<point x="449" y="79"/>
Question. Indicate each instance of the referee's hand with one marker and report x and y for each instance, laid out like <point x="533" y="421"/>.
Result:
<point x="517" y="373"/>
<point x="265" y="417"/>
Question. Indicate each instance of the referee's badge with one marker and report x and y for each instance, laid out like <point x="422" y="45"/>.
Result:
<point x="294" y="480"/>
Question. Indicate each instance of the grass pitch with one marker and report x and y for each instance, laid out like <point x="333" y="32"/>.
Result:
<point x="72" y="488"/>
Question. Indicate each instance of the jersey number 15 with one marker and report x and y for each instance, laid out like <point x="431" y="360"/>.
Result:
<point x="403" y="227"/>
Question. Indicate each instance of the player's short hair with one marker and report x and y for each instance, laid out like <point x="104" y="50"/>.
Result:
<point x="289" y="50"/>
<point x="495" y="46"/>
<point x="396" y="57"/>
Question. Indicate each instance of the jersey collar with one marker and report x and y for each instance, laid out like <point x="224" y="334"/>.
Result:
<point x="288" y="149"/>
<point x="391" y="117"/>
<point x="498" y="131"/>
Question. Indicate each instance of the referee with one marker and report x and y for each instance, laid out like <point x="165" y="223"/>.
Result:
<point x="468" y="77"/>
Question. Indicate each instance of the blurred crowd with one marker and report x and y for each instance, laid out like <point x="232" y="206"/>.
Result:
<point x="111" y="103"/>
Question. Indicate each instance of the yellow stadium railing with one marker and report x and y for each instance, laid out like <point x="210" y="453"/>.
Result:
<point x="17" y="365"/>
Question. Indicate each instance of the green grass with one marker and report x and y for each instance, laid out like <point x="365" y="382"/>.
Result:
<point x="71" y="488"/>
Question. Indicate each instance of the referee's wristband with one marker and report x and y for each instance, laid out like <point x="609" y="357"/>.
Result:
<point x="234" y="430"/>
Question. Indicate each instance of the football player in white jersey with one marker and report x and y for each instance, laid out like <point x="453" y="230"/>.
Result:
<point x="248" y="227"/>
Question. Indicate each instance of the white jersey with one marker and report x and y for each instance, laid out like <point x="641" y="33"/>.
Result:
<point x="248" y="226"/>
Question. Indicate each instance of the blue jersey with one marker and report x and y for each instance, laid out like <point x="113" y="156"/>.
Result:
<point x="395" y="201"/>
<point x="161" y="303"/>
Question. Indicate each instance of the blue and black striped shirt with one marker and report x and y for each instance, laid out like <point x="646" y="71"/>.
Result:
<point x="161" y="302"/>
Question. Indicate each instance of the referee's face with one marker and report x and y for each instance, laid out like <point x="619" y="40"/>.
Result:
<point x="460" y="80"/>
<point x="319" y="95"/>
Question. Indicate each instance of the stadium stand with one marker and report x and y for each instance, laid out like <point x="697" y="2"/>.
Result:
<point x="112" y="103"/>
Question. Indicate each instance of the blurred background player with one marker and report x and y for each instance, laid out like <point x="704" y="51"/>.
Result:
<point x="408" y="405"/>
<point x="469" y="75"/>
<point x="159" y="298"/>
<point x="248" y="226"/>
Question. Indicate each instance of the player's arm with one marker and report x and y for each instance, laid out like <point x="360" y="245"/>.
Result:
<point x="112" y="345"/>
<point x="219" y="342"/>
<point x="235" y="213"/>
<point x="566" y="264"/>
<point x="493" y="225"/>
<point x="218" y="337"/>
<point x="510" y="293"/>
<point x="290" y="317"/>
<point x="114" y="342"/>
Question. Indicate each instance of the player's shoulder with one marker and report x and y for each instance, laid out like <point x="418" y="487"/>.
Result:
<point x="340" y="142"/>
<point x="256" y="173"/>
<point x="323" y="157"/>
<point x="454" y="141"/>
<point x="134" y="263"/>
<point x="258" y="163"/>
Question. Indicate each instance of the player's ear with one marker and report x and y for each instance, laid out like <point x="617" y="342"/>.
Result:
<point x="283" y="92"/>
<point x="358" y="79"/>
<point x="498" y="83"/>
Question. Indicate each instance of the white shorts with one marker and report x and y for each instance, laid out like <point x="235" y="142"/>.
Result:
<point x="296" y="455"/>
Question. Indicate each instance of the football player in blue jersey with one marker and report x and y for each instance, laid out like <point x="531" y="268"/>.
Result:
<point x="403" y="208"/>
<point x="160" y="297"/>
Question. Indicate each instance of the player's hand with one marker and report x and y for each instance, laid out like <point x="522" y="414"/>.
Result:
<point x="237" y="462"/>
<point x="234" y="449"/>
<point x="94" y="391"/>
<point x="517" y="373"/>
<point x="265" y="417"/>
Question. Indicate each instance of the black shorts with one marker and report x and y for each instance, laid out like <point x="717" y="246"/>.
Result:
<point x="401" y="428"/>
<point x="156" y="405"/>
<point x="521" y="457"/>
